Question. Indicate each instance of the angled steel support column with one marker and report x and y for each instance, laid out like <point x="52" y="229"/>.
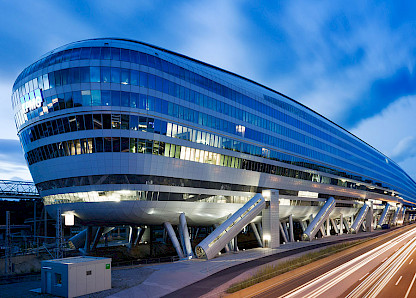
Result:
<point x="256" y="233"/>
<point x="322" y="230"/>
<point x="270" y="219"/>
<point x="319" y="219"/>
<point x="97" y="237"/>
<point x="291" y="234"/>
<point x="214" y="242"/>
<point x="341" y="224"/>
<point x="282" y="230"/>
<point x="396" y="215"/>
<point x="173" y="238"/>
<point x="355" y="227"/>
<point x="334" y="226"/>
<point x="303" y="225"/>
<point x="88" y="240"/>
<point x="183" y="231"/>
<point x="140" y="234"/>
<point x="133" y="232"/>
<point x="383" y="216"/>
<point x="346" y="224"/>
<point x="235" y="244"/>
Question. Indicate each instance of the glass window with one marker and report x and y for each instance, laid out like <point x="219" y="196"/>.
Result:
<point x="116" y="144"/>
<point x="143" y="79"/>
<point x="125" y="76"/>
<point x="133" y="145"/>
<point x="88" y="121"/>
<point x="80" y="122"/>
<point x="125" y="146"/>
<point x="95" y="74"/>
<point x="105" y="74"/>
<point x="134" y="57"/>
<point x="75" y="54"/>
<point x="84" y="74"/>
<point x="152" y="81"/>
<point x="125" y="122"/>
<point x="115" y="98"/>
<point x="95" y="53"/>
<point x="66" y="124"/>
<point x="85" y="53"/>
<point x="134" y="122"/>
<point x="134" y="77"/>
<point x="125" y="99"/>
<point x="115" y="75"/>
<point x="107" y="121"/>
<point x="96" y="97"/>
<point x="141" y="146"/>
<point x="115" y="54"/>
<point x="149" y="145"/>
<point x="106" y="98"/>
<point x="99" y="145"/>
<point x="98" y="123"/>
<point x="134" y="100"/>
<point x="74" y="74"/>
<point x="125" y="55"/>
<point x="107" y="144"/>
<point x="105" y="53"/>
<point x="86" y="98"/>
<point x="69" y="103"/>
<point x="115" y="121"/>
<point x="72" y="123"/>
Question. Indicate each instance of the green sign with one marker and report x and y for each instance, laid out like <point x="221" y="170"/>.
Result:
<point x="107" y="266"/>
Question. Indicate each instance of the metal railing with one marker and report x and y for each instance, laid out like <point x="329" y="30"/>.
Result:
<point x="18" y="189"/>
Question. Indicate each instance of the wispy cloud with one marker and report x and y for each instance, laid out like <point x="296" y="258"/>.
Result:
<point x="12" y="163"/>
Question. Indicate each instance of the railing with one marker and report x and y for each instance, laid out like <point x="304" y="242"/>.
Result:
<point x="18" y="189"/>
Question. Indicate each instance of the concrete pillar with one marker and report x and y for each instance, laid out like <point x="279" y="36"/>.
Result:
<point x="173" y="238"/>
<point x="369" y="217"/>
<point x="270" y="219"/>
<point x="328" y="227"/>
<point x="291" y="234"/>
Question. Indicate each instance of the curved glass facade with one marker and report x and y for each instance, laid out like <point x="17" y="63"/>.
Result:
<point x="102" y="96"/>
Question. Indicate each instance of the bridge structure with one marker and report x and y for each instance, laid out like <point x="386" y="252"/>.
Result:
<point x="11" y="189"/>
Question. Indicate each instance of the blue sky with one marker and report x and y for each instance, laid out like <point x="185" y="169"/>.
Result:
<point x="352" y="61"/>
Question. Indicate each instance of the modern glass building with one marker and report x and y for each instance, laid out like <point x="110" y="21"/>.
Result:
<point x="122" y="132"/>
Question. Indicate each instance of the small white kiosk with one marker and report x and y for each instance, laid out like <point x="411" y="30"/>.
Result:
<point x="76" y="276"/>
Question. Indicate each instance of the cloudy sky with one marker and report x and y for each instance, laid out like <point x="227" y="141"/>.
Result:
<point x="352" y="61"/>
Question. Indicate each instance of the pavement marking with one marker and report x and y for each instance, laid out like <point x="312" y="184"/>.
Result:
<point x="411" y="262"/>
<point x="400" y="278"/>
<point x="410" y="287"/>
<point x="364" y="275"/>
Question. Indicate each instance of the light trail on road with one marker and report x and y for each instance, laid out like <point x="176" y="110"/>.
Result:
<point x="376" y="281"/>
<point x="338" y="280"/>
